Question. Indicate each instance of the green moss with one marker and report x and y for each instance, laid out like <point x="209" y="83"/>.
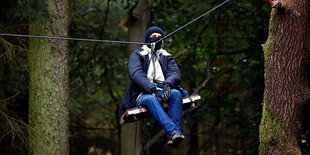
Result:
<point x="273" y="130"/>
<point x="48" y="113"/>
<point x="270" y="127"/>
<point x="268" y="49"/>
<point x="270" y="44"/>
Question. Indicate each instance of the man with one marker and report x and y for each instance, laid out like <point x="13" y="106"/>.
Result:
<point x="147" y="68"/>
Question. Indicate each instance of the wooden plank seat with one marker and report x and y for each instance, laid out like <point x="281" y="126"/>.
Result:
<point x="139" y="113"/>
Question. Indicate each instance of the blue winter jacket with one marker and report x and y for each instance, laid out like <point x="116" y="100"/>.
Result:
<point x="138" y="65"/>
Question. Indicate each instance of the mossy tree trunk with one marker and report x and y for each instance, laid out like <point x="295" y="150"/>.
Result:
<point x="49" y="78"/>
<point x="131" y="136"/>
<point x="286" y="90"/>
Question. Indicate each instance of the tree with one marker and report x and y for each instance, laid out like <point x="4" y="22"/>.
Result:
<point x="131" y="140"/>
<point x="49" y="79"/>
<point x="286" y="53"/>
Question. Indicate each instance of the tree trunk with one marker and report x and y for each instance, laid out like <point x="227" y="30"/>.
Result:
<point x="131" y="138"/>
<point x="286" y="90"/>
<point x="138" y="20"/>
<point x="194" y="145"/>
<point x="5" y="72"/>
<point x="49" y="79"/>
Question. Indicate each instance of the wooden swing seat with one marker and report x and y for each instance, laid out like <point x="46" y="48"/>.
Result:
<point x="139" y="113"/>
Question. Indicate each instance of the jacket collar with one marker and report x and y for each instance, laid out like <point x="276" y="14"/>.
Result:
<point x="147" y="51"/>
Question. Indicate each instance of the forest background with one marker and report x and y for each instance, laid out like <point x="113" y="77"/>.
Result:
<point x="220" y="56"/>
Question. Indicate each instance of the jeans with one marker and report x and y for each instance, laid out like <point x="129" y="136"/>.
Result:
<point x="171" y="121"/>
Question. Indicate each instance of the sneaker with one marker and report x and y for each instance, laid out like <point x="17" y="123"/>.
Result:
<point x="170" y="142"/>
<point x="175" y="139"/>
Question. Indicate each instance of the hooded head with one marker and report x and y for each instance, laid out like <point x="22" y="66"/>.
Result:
<point x="152" y="30"/>
<point x="149" y="32"/>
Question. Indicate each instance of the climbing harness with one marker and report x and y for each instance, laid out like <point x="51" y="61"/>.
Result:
<point x="153" y="57"/>
<point x="183" y="91"/>
<point x="160" y="84"/>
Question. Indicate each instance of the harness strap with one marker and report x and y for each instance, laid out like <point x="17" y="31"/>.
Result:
<point x="153" y="57"/>
<point x="140" y="108"/>
<point x="184" y="92"/>
<point x="190" y="98"/>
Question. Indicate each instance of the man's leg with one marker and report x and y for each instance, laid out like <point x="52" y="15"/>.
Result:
<point x="158" y="113"/>
<point x="175" y="109"/>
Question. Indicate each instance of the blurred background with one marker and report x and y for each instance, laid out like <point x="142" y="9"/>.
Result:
<point x="222" y="50"/>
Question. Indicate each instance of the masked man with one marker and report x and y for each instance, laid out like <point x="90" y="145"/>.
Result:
<point x="147" y="68"/>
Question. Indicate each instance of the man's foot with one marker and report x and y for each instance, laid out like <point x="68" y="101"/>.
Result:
<point x="170" y="142"/>
<point x="175" y="139"/>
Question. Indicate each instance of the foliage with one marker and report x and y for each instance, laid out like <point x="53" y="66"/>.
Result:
<point x="13" y="81"/>
<point x="97" y="71"/>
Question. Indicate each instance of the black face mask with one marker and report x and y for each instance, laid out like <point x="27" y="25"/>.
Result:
<point x="154" y="39"/>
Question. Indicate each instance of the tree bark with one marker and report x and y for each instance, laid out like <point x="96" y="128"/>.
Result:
<point x="131" y="137"/>
<point x="194" y="139"/>
<point x="138" y="20"/>
<point x="49" y="79"/>
<point x="286" y="90"/>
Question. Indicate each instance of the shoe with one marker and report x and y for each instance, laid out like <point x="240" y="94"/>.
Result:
<point x="175" y="139"/>
<point x="170" y="143"/>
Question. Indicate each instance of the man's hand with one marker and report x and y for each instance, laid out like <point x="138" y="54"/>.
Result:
<point x="156" y="94"/>
<point x="158" y="97"/>
<point x="166" y="92"/>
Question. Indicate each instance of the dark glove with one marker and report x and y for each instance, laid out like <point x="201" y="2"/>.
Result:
<point x="155" y="93"/>
<point x="166" y="92"/>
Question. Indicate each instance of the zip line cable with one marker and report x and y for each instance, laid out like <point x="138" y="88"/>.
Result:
<point x="193" y="20"/>
<point x="75" y="39"/>
<point x="112" y="41"/>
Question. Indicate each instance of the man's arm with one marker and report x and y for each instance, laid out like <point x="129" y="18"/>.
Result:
<point x="173" y="76"/>
<point x="136" y="73"/>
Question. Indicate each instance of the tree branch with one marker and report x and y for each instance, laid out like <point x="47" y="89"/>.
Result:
<point x="77" y="87"/>
<point x="204" y="83"/>
<point x="274" y="3"/>
<point x="10" y="98"/>
<point x="180" y="54"/>
<point x="103" y="26"/>
<point x="209" y="77"/>
<point x="91" y="128"/>
<point x="115" y="99"/>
